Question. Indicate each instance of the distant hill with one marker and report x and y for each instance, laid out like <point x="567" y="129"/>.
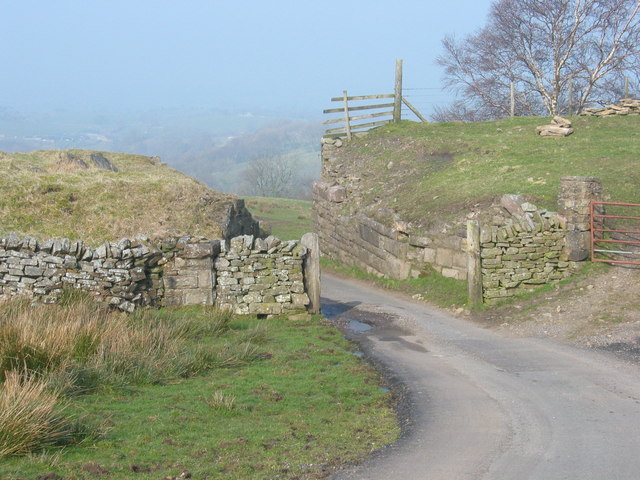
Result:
<point x="223" y="166"/>
<point x="97" y="196"/>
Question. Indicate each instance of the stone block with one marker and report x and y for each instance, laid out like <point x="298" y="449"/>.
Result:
<point x="226" y="280"/>
<point x="185" y="282"/>
<point x="198" y="297"/>
<point x="429" y="255"/>
<point x="265" y="308"/>
<point x="253" y="297"/>
<point x="299" y="299"/>
<point x="205" y="279"/>
<point x="418" y="241"/>
<point x="283" y="298"/>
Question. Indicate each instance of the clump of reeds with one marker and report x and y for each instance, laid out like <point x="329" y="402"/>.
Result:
<point x="30" y="415"/>
<point x="48" y="352"/>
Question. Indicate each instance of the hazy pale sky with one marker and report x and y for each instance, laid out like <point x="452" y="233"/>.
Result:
<point x="282" y="55"/>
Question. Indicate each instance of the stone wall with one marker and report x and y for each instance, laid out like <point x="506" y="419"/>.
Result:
<point x="383" y="249"/>
<point x="123" y="273"/>
<point x="245" y="274"/>
<point x="261" y="276"/>
<point x="626" y="106"/>
<point x="519" y="247"/>
<point x="522" y="249"/>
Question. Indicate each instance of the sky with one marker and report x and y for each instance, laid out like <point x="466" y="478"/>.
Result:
<point x="286" y="56"/>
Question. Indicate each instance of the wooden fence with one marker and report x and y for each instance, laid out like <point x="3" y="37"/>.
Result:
<point x="348" y="129"/>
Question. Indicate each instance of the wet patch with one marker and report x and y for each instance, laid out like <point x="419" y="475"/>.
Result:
<point x="357" y="326"/>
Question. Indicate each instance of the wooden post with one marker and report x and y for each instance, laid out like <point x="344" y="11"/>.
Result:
<point x="397" y="105"/>
<point x="347" y="125"/>
<point x="414" y="110"/>
<point x="311" y="268"/>
<point x="474" y="267"/>
<point x="513" y="100"/>
<point x="626" y="86"/>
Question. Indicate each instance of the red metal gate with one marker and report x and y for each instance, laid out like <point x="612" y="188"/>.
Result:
<point x="615" y="232"/>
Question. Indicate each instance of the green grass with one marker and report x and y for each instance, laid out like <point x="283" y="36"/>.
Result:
<point x="300" y="405"/>
<point x="289" y="219"/>
<point x="443" y="170"/>
<point x="432" y="287"/>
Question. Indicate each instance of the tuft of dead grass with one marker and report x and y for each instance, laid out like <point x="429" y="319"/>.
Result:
<point x="30" y="415"/>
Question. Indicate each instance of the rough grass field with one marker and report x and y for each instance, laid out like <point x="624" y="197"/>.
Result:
<point x="61" y="193"/>
<point x="287" y="218"/>
<point x="235" y="398"/>
<point x="428" y="172"/>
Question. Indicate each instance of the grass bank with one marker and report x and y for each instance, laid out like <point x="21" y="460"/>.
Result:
<point x="429" y="172"/>
<point x="79" y="194"/>
<point x="211" y="395"/>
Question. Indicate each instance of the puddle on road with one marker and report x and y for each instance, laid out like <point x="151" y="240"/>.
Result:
<point x="357" y="326"/>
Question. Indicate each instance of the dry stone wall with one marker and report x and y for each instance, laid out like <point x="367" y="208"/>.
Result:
<point x="123" y="273"/>
<point x="626" y="106"/>
<point x="523" y="249"/>
<point x="261" y="276"/>
<point x="245" y="274"/>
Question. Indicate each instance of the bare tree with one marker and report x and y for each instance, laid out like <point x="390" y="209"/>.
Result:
<point x="546" y="48"/>
<point x="270" y="176"/>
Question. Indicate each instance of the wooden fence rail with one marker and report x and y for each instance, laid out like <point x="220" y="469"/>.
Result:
<point x="349" y="128"/>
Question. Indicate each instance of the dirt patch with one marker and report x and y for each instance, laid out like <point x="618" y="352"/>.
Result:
<point x="599" y="310"/>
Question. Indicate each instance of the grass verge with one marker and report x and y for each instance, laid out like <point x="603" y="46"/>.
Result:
<point x="275" y="398"/>
<point x="432" y="287"/>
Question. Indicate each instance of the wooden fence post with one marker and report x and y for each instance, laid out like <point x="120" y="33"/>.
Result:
<point x="513" y="100"/>
<point x="397" y="105"/>
<point x="346" y="115"/>
<point x="311" y="267"/>
<point x="626" y="86"/>
<point x="474" y="268"/>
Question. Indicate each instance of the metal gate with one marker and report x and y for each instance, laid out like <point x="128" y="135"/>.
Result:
<point x="615" y="232"/>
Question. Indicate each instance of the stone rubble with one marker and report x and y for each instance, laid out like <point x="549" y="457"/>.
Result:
<point x="626" y="106"/>
<point x="559" y="127"/>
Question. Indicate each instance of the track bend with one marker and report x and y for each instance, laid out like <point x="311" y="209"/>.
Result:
<point x="483" y="406"/>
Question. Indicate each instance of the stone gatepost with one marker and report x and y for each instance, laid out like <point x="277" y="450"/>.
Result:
<point x="189" y="277"/>
<point x="574" y="200"/>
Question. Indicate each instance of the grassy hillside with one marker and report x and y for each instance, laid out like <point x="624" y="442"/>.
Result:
<point x="287" y="218"/>
<point x="427" y="171"/>
<point x="64" y="193"/>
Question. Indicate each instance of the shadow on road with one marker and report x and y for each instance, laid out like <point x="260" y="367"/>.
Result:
<point x="331" y="308"/>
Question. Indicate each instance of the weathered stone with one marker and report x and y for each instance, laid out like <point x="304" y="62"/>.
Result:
<point x="265" y="309"/>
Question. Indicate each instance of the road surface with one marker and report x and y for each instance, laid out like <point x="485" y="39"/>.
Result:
<point x="482" y="406"/>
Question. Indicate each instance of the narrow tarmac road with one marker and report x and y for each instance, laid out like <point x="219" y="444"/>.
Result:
<point x="483" y="406"/>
